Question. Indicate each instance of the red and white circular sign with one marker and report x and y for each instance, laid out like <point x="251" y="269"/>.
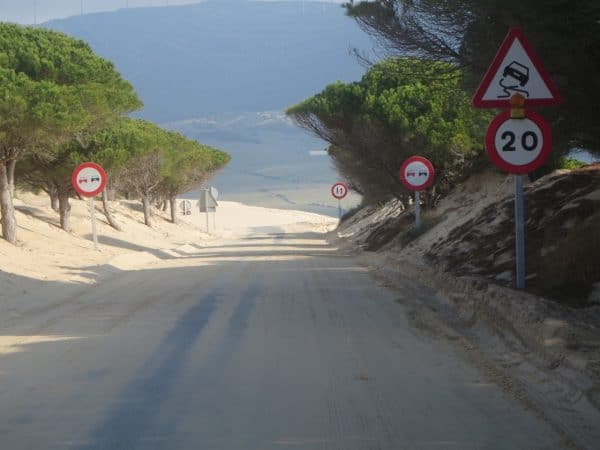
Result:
<point x="417" y="173"/>
<point x="89" y="179"/>
<point x="518" y="146"/>
<point x="339" y="190"/>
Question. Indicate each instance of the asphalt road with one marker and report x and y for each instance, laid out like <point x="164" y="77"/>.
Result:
<point x="266" y="342"/>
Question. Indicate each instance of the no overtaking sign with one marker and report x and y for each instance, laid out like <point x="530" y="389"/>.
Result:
<point x="89" y="179"/>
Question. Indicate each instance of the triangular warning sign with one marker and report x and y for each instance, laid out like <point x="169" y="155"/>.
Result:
<point x="516" y="69"/>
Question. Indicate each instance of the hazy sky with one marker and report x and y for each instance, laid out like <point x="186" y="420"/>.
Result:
<point x="30" y="11"/>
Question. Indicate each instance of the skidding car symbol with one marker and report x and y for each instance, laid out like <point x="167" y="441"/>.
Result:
<point x="518" y="71"/>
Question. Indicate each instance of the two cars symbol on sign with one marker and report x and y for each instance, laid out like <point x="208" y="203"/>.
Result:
<point x="417" y="173"/>
<point x="88" y="179"/>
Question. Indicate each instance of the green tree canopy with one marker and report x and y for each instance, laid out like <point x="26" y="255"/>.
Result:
<point x="401" y="107"/>
<point x="53" y="89"/>
<point x="467" y="34"/>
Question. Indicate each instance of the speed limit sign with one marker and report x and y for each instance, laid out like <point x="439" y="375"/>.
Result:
<point x="339" y="190"/>
<point x="518" y="146"/>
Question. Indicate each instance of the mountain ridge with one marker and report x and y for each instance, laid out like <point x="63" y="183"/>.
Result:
<point x="214" y="57"/>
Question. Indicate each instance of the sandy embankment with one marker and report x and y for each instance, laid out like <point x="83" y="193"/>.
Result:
<point x="541" y="352"/>
<point x="49" y="264"/>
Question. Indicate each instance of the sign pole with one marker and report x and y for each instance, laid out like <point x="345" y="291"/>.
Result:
<point x="93" y="215"/>
<point x="517" y="141"/>
<point x="418" y="209"/>
<point x="339" y="191"/>
<point x="88" y="180"/>
<point x="207" y="213"/>
<point x="520" y="232"/>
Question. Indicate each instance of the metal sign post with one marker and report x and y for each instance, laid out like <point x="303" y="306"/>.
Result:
<point x="339" y="191"/>
<point x="207" y="204"/>
<point x="518" y="141"/>
<point x="89" y="180"/>
<point x="207" y="209"/>
<point x="418" y="209"/>
<point x="417" y="174"/>
<point x="94" y="228"/>
<point x="520" y="232"/>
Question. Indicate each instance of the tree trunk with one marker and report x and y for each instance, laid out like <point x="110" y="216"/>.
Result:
<point x="107" y="212"/>
<point x="9" y="223"/>
<point x="173" y="207"/>
<point x="10" y="167"/>
<point x="164" y="205"/>
<point x="53" y="192"/>
<point x="64" y="209"/>
<point x="146" y="203"/>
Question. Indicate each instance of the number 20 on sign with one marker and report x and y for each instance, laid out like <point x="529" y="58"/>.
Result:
<point x="518" y="145"/>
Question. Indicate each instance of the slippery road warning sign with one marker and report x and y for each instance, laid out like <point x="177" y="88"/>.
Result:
<point x="518" y="146"/>
<point x="516" y="69"/>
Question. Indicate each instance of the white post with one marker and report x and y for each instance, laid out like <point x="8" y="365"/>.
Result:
<point x="418" y="209"/>
<point x="207" y="213"/>
<point x="93" y="215"/>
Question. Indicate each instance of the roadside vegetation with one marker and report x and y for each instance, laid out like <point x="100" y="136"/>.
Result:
<point x="417" y="99"/>
<point x="60" y="105"/>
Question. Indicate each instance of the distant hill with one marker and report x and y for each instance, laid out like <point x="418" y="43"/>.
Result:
<point x="221" y="57"/>
<point x="223" y="72"/>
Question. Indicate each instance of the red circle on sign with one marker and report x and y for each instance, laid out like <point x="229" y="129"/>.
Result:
<point x="88" y="174"/>
<point x="342" y="194"/>
<point x="514" y="139"/>
<point x="406" y="178"/>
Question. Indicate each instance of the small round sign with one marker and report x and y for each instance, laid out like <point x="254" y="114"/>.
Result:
<point x="89" y="179"/>
<point x="417" y="173"/>
<point x="518" y="146"/>
<point x="339" y="190"/>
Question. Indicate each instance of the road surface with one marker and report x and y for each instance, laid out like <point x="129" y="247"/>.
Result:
<point x="271" y="341"/>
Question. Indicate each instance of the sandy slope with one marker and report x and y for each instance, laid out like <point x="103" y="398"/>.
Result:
<point x="541" y="350"/>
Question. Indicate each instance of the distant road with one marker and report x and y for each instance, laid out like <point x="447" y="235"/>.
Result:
<point x="272" y="341"/>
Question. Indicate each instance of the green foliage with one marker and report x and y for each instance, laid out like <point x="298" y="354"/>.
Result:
<point x="54" y="87"/>
<point x="137" y="155"/>
<point x="467" y="34"/>
<point x="401" y="107"/>
<point x="570" y="163"/>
